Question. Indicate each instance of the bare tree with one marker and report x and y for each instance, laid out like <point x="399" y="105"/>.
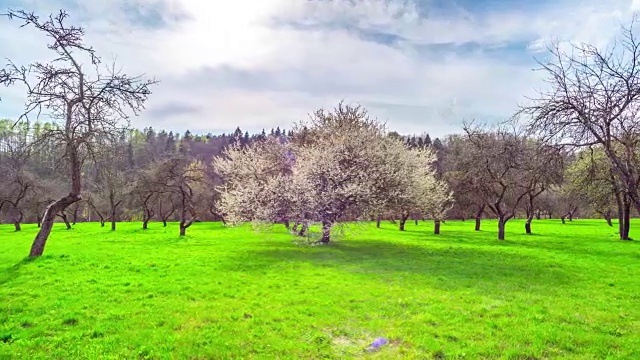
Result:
<point x="543" y="167"/>
<point x="180" y="177"/>
<point x="593" y="98"/>
<point x="145" y="196"/>
<point x="495" y="161"/>
<point x="87" y="101"/>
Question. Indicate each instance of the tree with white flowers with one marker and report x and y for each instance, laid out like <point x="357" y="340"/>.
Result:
<point x="339" y="166"/>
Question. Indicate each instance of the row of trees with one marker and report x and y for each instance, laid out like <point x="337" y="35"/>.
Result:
<point x="574" y="153"/>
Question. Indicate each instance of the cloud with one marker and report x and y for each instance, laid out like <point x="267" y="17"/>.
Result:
<point x="420" y="65"/>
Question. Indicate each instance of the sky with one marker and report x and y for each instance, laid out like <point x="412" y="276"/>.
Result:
<point x="418" y="65"/>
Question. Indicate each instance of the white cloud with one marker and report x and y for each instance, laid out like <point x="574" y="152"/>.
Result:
<point x="290" y="71"/>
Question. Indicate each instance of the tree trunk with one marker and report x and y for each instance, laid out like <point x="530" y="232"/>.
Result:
<point x="164" y="223"/>
<point x="303" y="230"/>
<point x="607" y="216"/>
<point x="64" y="218"/>
<point x="101" y="222"/>
<point x="626" y="225"/>
<point x="113" y="224"/>
<point x="403" y="220"/>
<point x="378" y="222"/>
<point x="287" y="224"/>
<point x="74" y="219"/>
<point x="183" y="229"/>
<point x="37" y="248"/>
<point x="501" y="225"/>
<point x="326" y="232"/>
<point x="527" y="225"/>
<point x="295" y="227"/>
<point x="563" y="219"/>
<point x="436" y="229"/>
<point x="479" y="217"/>
<point x="145" y="224"/>
<point x="18" y="220"/>
<point x="538" y="215"/>
<point x="416" y="220"/>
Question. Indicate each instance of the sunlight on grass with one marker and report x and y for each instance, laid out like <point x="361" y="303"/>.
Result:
<point x="568" y="291"/>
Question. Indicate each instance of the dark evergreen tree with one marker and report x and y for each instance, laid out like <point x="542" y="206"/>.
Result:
<point x="427" y="141"/>
<point x="171" y="143"/>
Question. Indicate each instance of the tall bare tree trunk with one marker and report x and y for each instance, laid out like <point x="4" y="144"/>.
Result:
<point x="436" y="229"/>
<point x="378" y="221"/>
<point x="479" y="216"/>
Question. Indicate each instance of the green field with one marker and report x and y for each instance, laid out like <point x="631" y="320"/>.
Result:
<point x="573" y="291"/>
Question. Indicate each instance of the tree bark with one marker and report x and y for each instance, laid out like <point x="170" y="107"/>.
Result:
<point x="563" y="219"/>
<point x="326" y="232"/>
<point x="479" y="216"/>
<point x="501" y="226"/>
<point x="626" y="218"/>
<point x="416" y="220"/>
<point x="18" y="220"/>
<point x="164" y="223"/>
<point x="183" y="229"/>
<point x="378" y="222"/>
<point x="37" y="248"/>
<point x="436" y="229"/>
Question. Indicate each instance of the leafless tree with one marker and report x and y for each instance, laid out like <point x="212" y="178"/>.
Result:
<point x="495" y="161"/>
<point x="543" y="167"/>
<point x="593" y="98"/>
<point x="87" y="101"/>
<point x="180" y="177"/>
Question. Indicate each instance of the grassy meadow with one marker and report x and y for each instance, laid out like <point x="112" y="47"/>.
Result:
<point x="568" y="291"/>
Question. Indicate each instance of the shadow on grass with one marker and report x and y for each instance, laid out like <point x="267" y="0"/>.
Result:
<point x="11" y="273"/>
<point x="443" y="266"/>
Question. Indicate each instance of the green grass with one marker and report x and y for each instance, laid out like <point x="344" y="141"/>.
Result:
<point x="569" y="291"/>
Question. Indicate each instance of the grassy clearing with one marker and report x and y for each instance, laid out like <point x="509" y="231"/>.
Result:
<point x="572" y="292"/>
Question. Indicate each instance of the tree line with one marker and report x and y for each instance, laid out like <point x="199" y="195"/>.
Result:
<point x="572" y="151"/>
